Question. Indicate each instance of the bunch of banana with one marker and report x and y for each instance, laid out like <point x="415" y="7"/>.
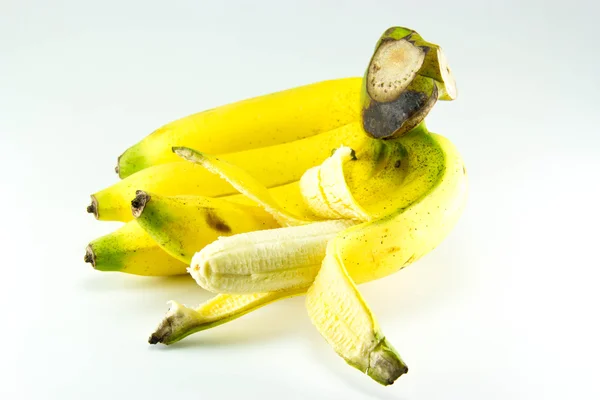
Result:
<point x="319" y="189"/>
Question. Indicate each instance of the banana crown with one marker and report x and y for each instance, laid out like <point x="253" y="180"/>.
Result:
<point x="404" y="79"/>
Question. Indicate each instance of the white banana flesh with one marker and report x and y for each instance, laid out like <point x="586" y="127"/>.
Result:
<point x="264" y="261"/>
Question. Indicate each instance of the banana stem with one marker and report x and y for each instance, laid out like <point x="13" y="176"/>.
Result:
<point x="404" y="79"/>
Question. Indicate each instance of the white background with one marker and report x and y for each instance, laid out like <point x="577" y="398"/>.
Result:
<point x="506" y="308"/>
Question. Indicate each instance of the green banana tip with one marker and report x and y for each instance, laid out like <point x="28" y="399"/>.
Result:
<point x="139" y="203"/>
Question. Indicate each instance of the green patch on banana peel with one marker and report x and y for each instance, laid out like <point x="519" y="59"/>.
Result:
<point x="404" y="79"/>
<point x="131" y="250"/>
<point x="181" y="225"/>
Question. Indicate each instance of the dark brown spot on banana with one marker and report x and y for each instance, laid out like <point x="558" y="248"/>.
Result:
<point x="216" y="223"/>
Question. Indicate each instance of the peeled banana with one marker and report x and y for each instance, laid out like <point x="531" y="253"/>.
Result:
<point x="419" y="188"/>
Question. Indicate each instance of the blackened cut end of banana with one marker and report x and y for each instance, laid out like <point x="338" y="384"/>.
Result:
<point x="138" y="204"/>
<point x="163" y="331"/>
<point x="90" y="257"/>
<point x="93" y="207"/>
<point x="385" y="365"/>
<point x="392" y="119"/>
<point x="179" y="322"/>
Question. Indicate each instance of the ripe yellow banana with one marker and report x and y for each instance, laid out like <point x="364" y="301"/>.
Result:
<point x="131" y="250"/>
<point x="271" y="166"/>
<point x="181" y="225"/>
<point x="268" y="120"/>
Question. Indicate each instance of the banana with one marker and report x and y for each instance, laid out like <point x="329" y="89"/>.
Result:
<point x="237" y="264"/>
<point x="181" y="225"/>
<point x="268" y="120"/>
<point x="131" y="250"/>
<point x="417" y="189"/>
<point x="271" y="166"/>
